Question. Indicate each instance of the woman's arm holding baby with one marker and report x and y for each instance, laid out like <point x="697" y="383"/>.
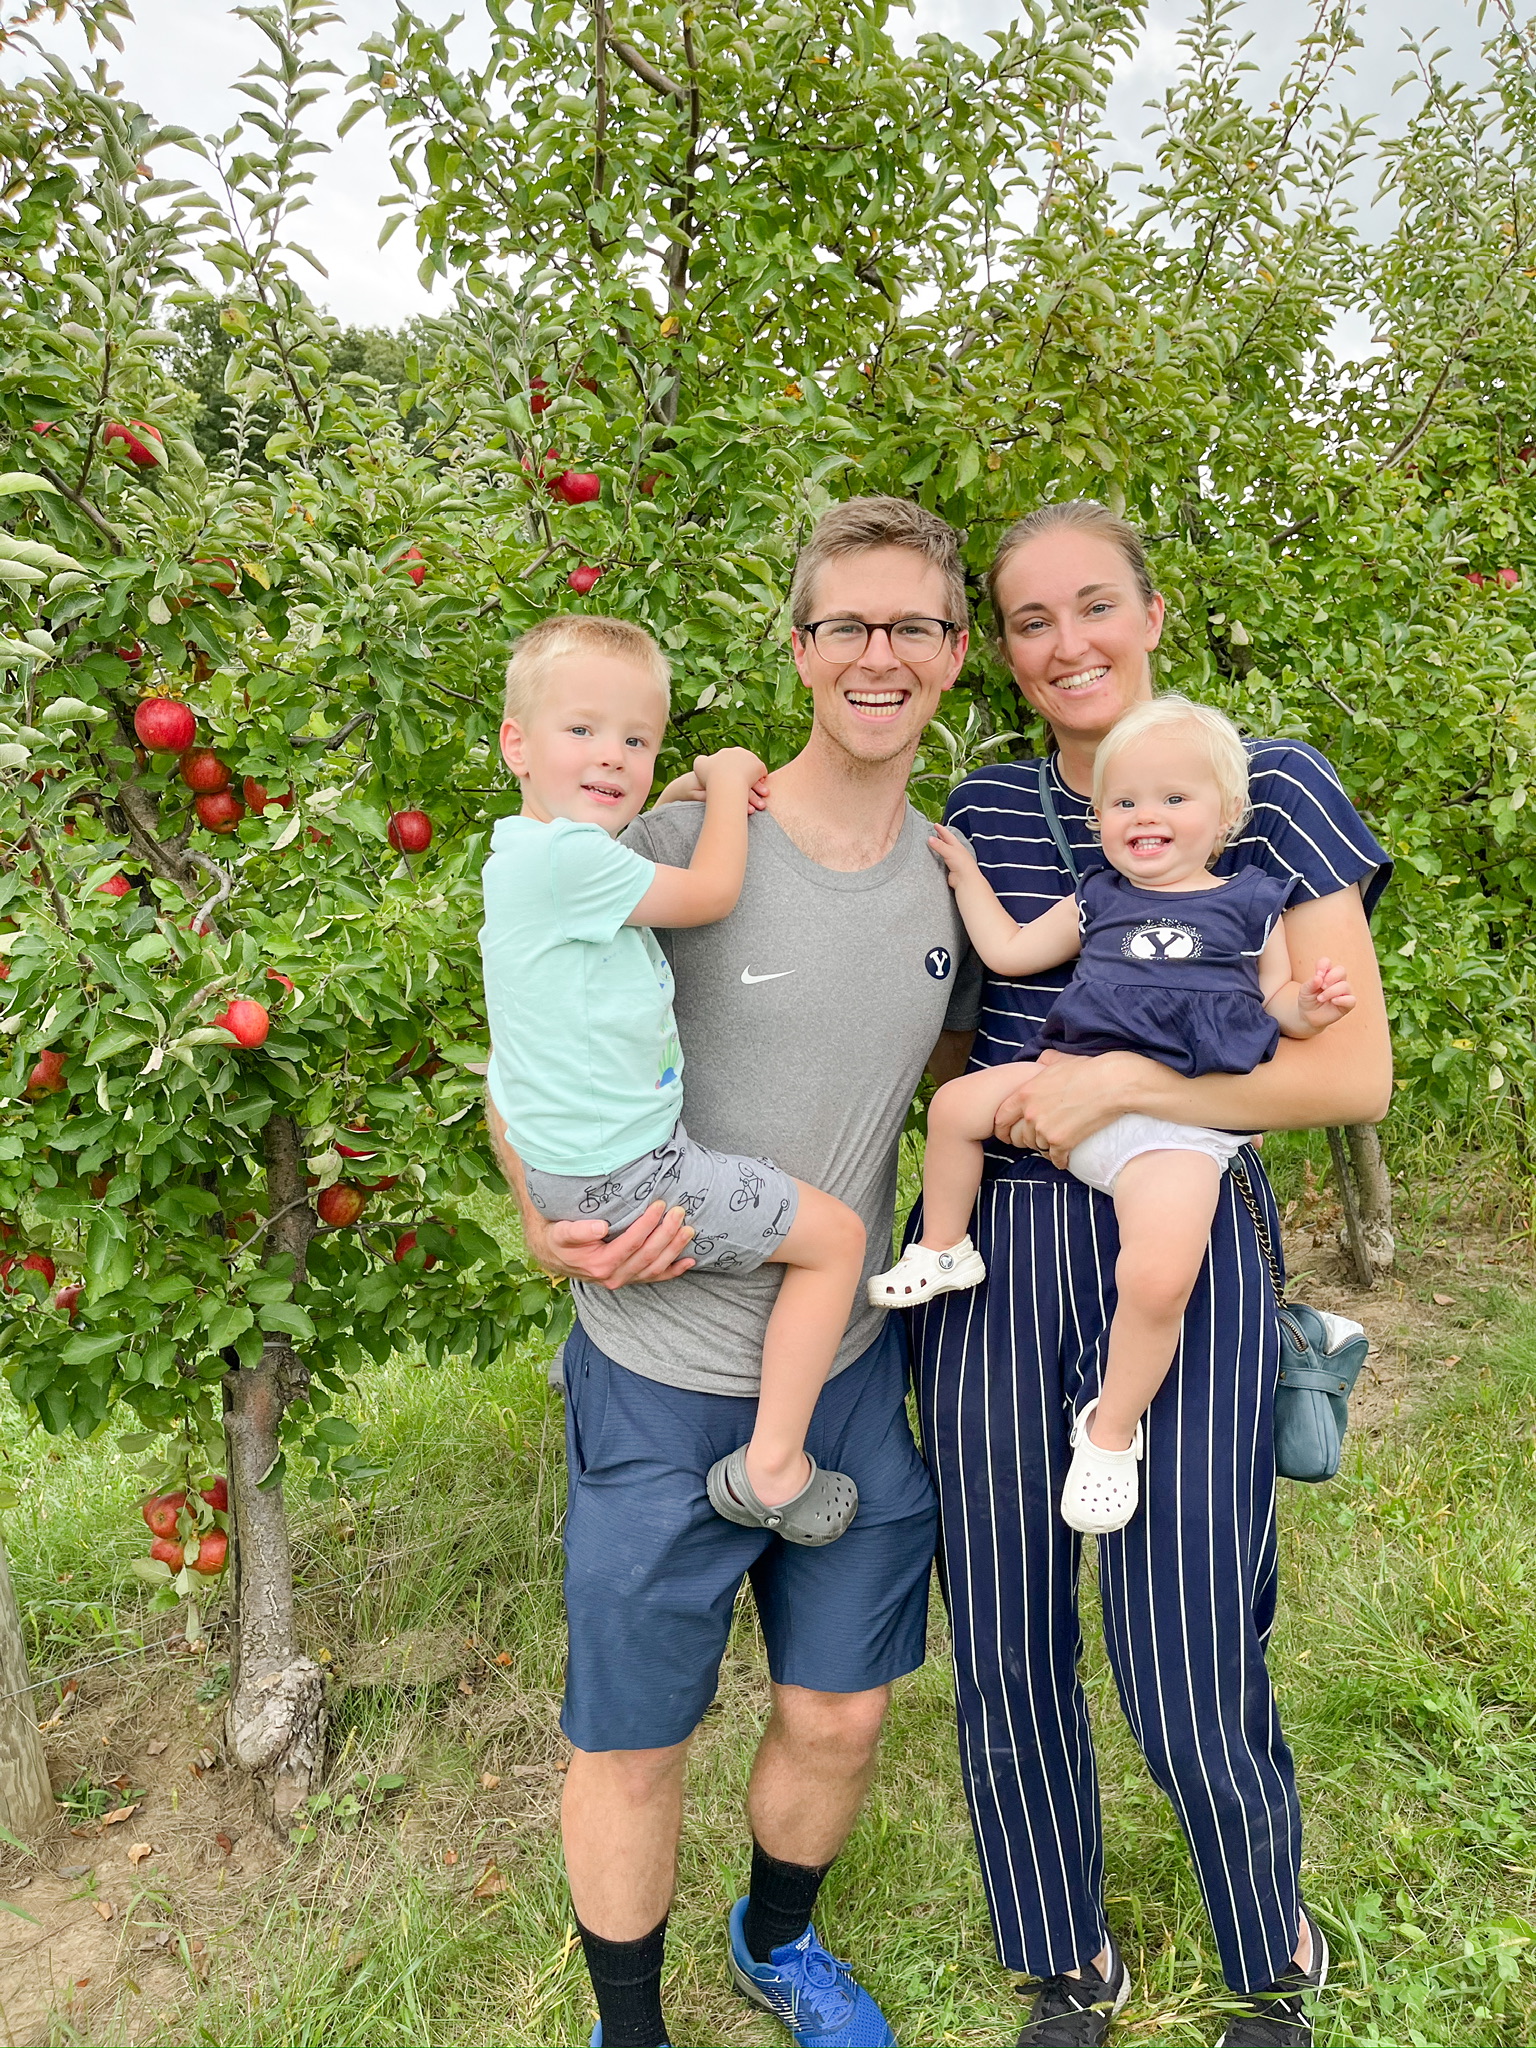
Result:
<point x="1007" y="946"/>
<point x="706" y="890"/>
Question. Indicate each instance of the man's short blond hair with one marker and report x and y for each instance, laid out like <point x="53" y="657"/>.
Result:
<point x="861" y="524"/>
<point x="552" y="640"/>
<point x="1211" y="731"/>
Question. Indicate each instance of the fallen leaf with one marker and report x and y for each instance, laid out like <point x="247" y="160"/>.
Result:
<point x="354" y="1959"/>
<point x="225" y="1844"/>
<point x="491" y="1882"/>
<point x="450" y="1856"/>
<point x="66" y="1578"/>
<point x="139" y="1851"/>
<point x="81" y="1982"/>
<point x="504" y="1658"/>
<point x="1443" y="1300"/>
<point x="83" y="1831"/>
<point x="466" y="1687"/>
<point x="120" y="1784"/>
<point x="105" y="1908"/>
<point x="121" y="1813"/>
<point x="564" y="1764"/>
<point x="489" y="1781"/>
<point x="159" y="1746"/>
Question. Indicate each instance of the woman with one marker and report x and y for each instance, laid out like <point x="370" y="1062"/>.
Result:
<point x="1188" y="1587"/>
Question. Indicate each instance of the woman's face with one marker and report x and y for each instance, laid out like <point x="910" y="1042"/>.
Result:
<point x="1076" y="631"/>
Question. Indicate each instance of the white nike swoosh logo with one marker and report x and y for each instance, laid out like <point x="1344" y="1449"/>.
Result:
<point x="748" y="977"/>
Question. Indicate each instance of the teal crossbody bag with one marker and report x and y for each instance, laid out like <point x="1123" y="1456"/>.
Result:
<point x="1320" y="1353"/>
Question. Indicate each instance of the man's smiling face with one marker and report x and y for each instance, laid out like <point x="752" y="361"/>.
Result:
<point x="874" y="708"/>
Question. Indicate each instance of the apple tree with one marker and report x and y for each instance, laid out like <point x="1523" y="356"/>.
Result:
<point x="245" y="772"/>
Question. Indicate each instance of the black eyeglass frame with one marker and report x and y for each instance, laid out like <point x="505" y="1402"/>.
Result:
<point x="885" y="626"/>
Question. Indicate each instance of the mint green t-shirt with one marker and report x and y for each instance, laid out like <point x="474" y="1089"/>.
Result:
<point x="585" y="1065"/>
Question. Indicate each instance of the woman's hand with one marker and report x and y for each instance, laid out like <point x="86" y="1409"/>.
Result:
<point x="1065" y="1099"/>
<point x="653" y="1247"/>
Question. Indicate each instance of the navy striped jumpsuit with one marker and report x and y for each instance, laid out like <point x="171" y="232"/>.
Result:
<point x="1188" y="1588"/>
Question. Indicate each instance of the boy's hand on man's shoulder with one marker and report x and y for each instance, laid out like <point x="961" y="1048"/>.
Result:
<point x="692" y="787"/>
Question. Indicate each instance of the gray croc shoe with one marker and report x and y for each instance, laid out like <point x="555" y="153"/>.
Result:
<point x="817" y="1514"/>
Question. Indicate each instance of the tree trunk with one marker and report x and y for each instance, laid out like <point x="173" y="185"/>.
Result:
<point x="276" y="1717"/>
<point x="26" y="1798"/>
<point x="1373" y="1194"/>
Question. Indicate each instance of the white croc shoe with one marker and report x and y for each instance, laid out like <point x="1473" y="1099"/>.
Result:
<point x="921" y="1273"/>
<point x="1103" y="1489"/>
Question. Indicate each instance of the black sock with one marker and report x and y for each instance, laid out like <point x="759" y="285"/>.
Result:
<point x="780" y="1901"/>
<point x="626" y="1975"/>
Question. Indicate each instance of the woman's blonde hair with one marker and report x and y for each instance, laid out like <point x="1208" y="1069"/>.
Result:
<point x="536" y="653"/>
<point x="1215" y="734"/>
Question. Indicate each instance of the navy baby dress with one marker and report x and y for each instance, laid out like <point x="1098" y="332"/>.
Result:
<point x="1170" y="975"/>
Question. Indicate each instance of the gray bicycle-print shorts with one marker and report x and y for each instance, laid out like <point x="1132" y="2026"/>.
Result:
<point x="741" y="1209"/>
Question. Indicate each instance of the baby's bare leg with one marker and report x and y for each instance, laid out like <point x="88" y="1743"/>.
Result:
<point x="1164" y="1204"/>
<point x="960" y="1119"/>
<point x="824" y="1255"/>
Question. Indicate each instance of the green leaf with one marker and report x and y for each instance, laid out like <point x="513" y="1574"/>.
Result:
<point x="288" y="1318"/>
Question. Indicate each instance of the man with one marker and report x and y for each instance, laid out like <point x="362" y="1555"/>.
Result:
<point x="806" y="1018"/>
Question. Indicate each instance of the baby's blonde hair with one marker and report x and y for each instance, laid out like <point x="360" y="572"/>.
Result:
<point x="536" y="653"/>
<point x="1214" y="733"/>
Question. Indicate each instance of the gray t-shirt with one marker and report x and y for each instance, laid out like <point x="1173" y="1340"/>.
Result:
<point x="806" y="1018"/>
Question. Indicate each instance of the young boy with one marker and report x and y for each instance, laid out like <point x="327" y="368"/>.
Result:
<point x="586" y="1070"/>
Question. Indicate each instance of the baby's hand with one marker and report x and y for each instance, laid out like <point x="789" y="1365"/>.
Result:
<point x="740" y="764"/>
<point x="1326" y="997"/>
<point x="955" y="853"/>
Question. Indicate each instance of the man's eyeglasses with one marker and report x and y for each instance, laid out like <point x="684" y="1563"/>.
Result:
<point x="910" y="639"/>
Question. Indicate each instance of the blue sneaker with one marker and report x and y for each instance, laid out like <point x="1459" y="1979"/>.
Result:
<point x="816" y="1996"/>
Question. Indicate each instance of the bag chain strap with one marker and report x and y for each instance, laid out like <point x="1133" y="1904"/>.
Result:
<point x="1239" y="1173"/>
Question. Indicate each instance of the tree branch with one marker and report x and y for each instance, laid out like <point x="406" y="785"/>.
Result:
<point x="644" y="69"/>
<point x="83" y="504"/>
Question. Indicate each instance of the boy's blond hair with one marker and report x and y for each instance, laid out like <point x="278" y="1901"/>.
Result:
<point x="1216" y="735"/>
<point x="536" y="653"/>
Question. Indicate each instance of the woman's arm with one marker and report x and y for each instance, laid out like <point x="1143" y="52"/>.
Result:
<point x="1341" y="1076"/>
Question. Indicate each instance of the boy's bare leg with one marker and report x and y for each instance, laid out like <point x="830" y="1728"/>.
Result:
<point x="1164" y="1203"/>
<point x="824" y="1257"/>
<point x="960" y="1119"/>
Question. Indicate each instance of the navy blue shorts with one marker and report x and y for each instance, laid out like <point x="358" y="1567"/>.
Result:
<point x="652" y="1572"/>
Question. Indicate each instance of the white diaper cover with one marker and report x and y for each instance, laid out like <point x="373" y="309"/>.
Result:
<point x="1100" y="1159"/>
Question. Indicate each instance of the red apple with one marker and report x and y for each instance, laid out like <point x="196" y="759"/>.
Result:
<point x="160" y="1512"/>
<point x="347" y="1151"/>
<point x="1475" y="578"/>
<point x="220" y="813"/>
<point x="537" y="402"/>
<point x="45" y="427"/>
<point x="258" y="796"/>
<point x="115" y="885"/>
<point x="1527" y="453"/>
<point x="135" y="439"/>
<point x="587" y="383"/>
<point x="577" y="486"/>
<point x="246" y="1022"/>
<point x="410" y="831"/>
<point x="211" y="1553"/>
<point x="5" y="970"/>
<point x="406" y="1242"/>
<point x="340" y="1205"/>
<point x="131" y="651"/>
<point x="648" y="483"/>
<point x="100" y="1182"/>
<point x="225" y="589"/>
<point x="1510" y="578"/>
<point x="67" y="1300"/>
<point x="203" y="771"/>
<point x="164" y="726"/>
<point x="583" y="579"/>
<point x="47" y="1077"/>
<point x="418" y="571"/>
<point x="273" y="975"/>
<point x="166" y="1552"/>
<point x="34" y="1262"/>
<point x="217" y="1495"/>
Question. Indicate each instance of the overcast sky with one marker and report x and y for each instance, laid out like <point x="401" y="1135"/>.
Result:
<point x="180" y="54"/>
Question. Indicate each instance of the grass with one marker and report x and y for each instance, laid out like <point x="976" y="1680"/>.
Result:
<point x="1404" y="1658"/>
